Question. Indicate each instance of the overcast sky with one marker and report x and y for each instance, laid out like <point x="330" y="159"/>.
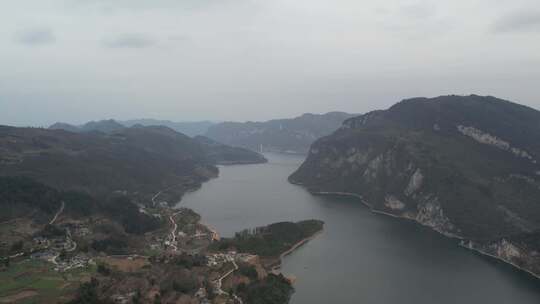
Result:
<point x="79" y="60"/>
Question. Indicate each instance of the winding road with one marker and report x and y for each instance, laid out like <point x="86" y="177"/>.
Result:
<point x="219" y="281"/>
<point x="175" y="228"/>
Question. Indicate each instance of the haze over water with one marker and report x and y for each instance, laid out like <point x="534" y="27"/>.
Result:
<point x="360" y="257"/>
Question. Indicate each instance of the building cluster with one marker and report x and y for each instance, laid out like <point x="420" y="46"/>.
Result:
<point x="217" y="260"/>
<point x="77" y="261"/>
<point x="123" y="298"/>
<point x="55" y="249"/>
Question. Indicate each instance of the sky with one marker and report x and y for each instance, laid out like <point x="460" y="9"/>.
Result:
<point x="188" y="60"/>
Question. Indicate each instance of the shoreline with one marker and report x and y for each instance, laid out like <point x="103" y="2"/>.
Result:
<point x="475" y="250"/>
<point x="299" y="244"/>
<point x="483" y="253"/>
<point x="240" y="162"/>
<point x="275" y="266"/>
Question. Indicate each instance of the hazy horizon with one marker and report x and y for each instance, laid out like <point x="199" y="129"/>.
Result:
<point x="80" y="123"/>
<point x="252" y="60"/>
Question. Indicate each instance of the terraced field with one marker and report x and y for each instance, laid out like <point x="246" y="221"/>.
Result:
<point x="32" y="281"/>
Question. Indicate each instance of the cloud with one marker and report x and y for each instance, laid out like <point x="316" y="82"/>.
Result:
<point x="178" y="38"/>
<point x="525" y="20"/>
<point x="130" y="40"/>
<point x="35" y="37"/>
<point x="420" y="10"/>
<point x="117" y="6"/>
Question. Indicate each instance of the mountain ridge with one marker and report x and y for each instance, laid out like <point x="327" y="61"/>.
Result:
<point x="291" y="135"/>
<point x="465" y="166"/>
<point x="110" y="125"/>
<point x="137" y="159"/>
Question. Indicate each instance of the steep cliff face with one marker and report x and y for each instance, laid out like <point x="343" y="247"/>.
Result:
<point x="465" y="166"/>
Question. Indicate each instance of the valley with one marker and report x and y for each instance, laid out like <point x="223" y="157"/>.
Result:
<point x="292" y="135"/>
<point x="359" y="257"/>
<point x="178" y="259"/>
<point x="111" y="214"/>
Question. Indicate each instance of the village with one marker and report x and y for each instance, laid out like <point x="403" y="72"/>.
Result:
<point x="78" y="250"/>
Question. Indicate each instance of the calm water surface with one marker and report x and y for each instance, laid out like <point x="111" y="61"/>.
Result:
<point x="360" y="257"/>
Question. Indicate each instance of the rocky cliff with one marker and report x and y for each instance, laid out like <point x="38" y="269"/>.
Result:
<point x="464" y="166"/>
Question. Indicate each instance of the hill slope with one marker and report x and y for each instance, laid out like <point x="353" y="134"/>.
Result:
<point x="140" y="160"/>
<point x="282" y="135"/>
<point x="465" y="166"/>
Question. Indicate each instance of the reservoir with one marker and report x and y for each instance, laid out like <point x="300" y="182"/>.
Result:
<point x="360" y="257"/>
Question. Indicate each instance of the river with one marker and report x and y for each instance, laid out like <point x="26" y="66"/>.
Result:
<point x="360" y="257"/>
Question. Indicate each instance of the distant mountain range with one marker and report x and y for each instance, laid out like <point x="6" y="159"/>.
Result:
<point x="466" y="166"/>
<point x="293" y="135"/>
<point x="188" y="128"/>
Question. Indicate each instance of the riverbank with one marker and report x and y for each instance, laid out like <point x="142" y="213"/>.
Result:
<point x="278" y="261"/>
<point x="240" y="162"/>
<point x="446" y="234"/>
<point x="498" y="258"/>
<point x="272" y="242"/>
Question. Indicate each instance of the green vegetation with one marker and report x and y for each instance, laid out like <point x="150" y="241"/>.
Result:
<point x="77" y="196"/>
<point x="274" y="289"/>
<point x="19" y="196"/>
<point x="138" y="159"/>
<point x="180" y="280"/>
<point x="103" y="269"/>
<point x="111" y="245"/>
<point x="127" y="213"/>
<point x="248" y="271"/>
<point x="222" y="154"/>
<point x="88" y="294"/>
<point x="38" y="276"/>
<point x="16" y="247"/>
<point x="185" y="284"/>
<point x="51" y="231"/>
<point x="485" y="191"/>
<point x="189" y="261"/>
<point x="271" y="240"/>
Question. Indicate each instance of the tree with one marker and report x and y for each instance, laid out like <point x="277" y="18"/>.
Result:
<point x="88" y="293"/>
<point x="137" y="298"/>
<point x="63" y="254"/>
<point x="17" y="246"/>
<point x="6" y="262"/>
<point x="103" y="269"/>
